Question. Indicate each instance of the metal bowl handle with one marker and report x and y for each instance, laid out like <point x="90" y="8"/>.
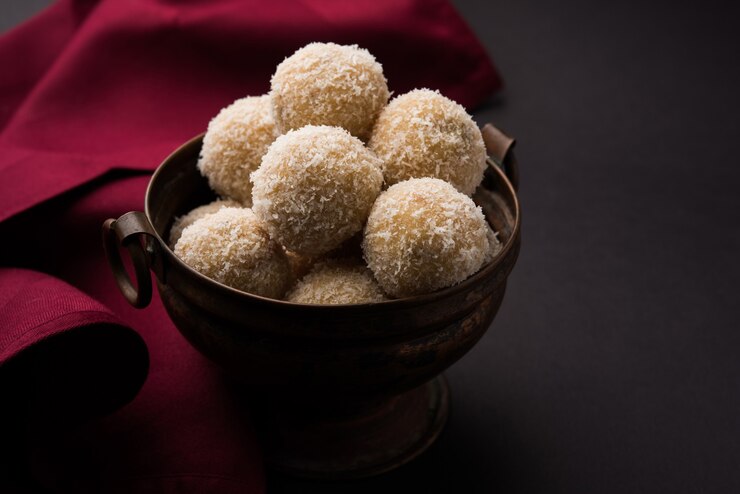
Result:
<point x="132" y="231"/>
<point x="500" y="152"/>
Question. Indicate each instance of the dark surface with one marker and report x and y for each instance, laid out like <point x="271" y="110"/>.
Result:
<point x="13" y="12"/>
<point x="614" y="363"/>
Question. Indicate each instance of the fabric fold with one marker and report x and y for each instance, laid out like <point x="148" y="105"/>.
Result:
<point x="64" y="359"/>
<point x="42" y="315"/>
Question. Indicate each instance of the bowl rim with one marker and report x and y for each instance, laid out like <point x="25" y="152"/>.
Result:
<point x="390" y="304"/>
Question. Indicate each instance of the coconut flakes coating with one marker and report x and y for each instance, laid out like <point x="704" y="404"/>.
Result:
<point x="188" y="219"/>
<point x="424" y="134"/>
<point x="423" y="235"/>
<point x="337" y="282"/>
<point x="329" y="84"/>
<point x="232" y="247"/>
<point x="315" y="187"/>
<point x="234" y="144"/>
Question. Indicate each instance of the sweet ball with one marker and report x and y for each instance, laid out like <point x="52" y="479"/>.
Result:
<point x="232" y="247"/>
<point x="315" y="187"/>
<point x="342" y="281"/>
<point x="424" y="134"/>
<point x="329" y="84"/>
<point x="423" y="235"/>
<point x="233" y="146"/>
<point x="184" y="221"/>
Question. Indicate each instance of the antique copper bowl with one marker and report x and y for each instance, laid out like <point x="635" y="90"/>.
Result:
<point x="337" y="391"/>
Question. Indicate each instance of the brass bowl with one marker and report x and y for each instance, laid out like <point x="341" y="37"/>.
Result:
<point x="338" y="391"/>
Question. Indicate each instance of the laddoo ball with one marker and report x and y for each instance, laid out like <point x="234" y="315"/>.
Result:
<point x="232" y="247"/>
<point x="423" y="235"/>
<point x="329" y="84"/>
<point x="337" y="282"/>
<point x="188" y="219"/>
<point x="233" y="146"/>
<point x="315" y="187"/>
<point x="424" y="134"/>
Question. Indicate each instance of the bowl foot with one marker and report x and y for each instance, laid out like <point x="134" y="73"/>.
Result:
<point x="359" y="444"/>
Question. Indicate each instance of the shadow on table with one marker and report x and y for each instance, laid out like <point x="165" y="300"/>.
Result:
<point x="464" y="459"/>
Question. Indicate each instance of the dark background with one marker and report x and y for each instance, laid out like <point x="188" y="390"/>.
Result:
<point x="614" y="363"/>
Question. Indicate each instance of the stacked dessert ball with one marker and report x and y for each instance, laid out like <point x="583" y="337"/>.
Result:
<point x="301" y="172"/>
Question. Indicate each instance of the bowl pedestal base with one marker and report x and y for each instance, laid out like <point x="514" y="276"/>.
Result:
<point x="353" y="444"/>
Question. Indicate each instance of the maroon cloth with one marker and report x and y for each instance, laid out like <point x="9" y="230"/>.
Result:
<point x="64" y="358"/>
<point x="41" y="315"/>
<point x="93" y="96"/>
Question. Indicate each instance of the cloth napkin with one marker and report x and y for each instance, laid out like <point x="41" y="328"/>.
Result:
<point x="93" y="95"/>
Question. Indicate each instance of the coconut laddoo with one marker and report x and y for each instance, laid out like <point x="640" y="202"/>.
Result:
<point x="233" y="146"/>
<point x="329" y="84"/>
<point x="423" y="235"/>
<point x="337" y="282"/>
<point x="231" y="247"/>
<point x="315" y="187"/>
<point x="424" y="134"/>
<point x="188" y="219"/>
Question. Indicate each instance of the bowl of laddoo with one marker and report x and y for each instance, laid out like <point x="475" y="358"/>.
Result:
<point x="334" y="250"/>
